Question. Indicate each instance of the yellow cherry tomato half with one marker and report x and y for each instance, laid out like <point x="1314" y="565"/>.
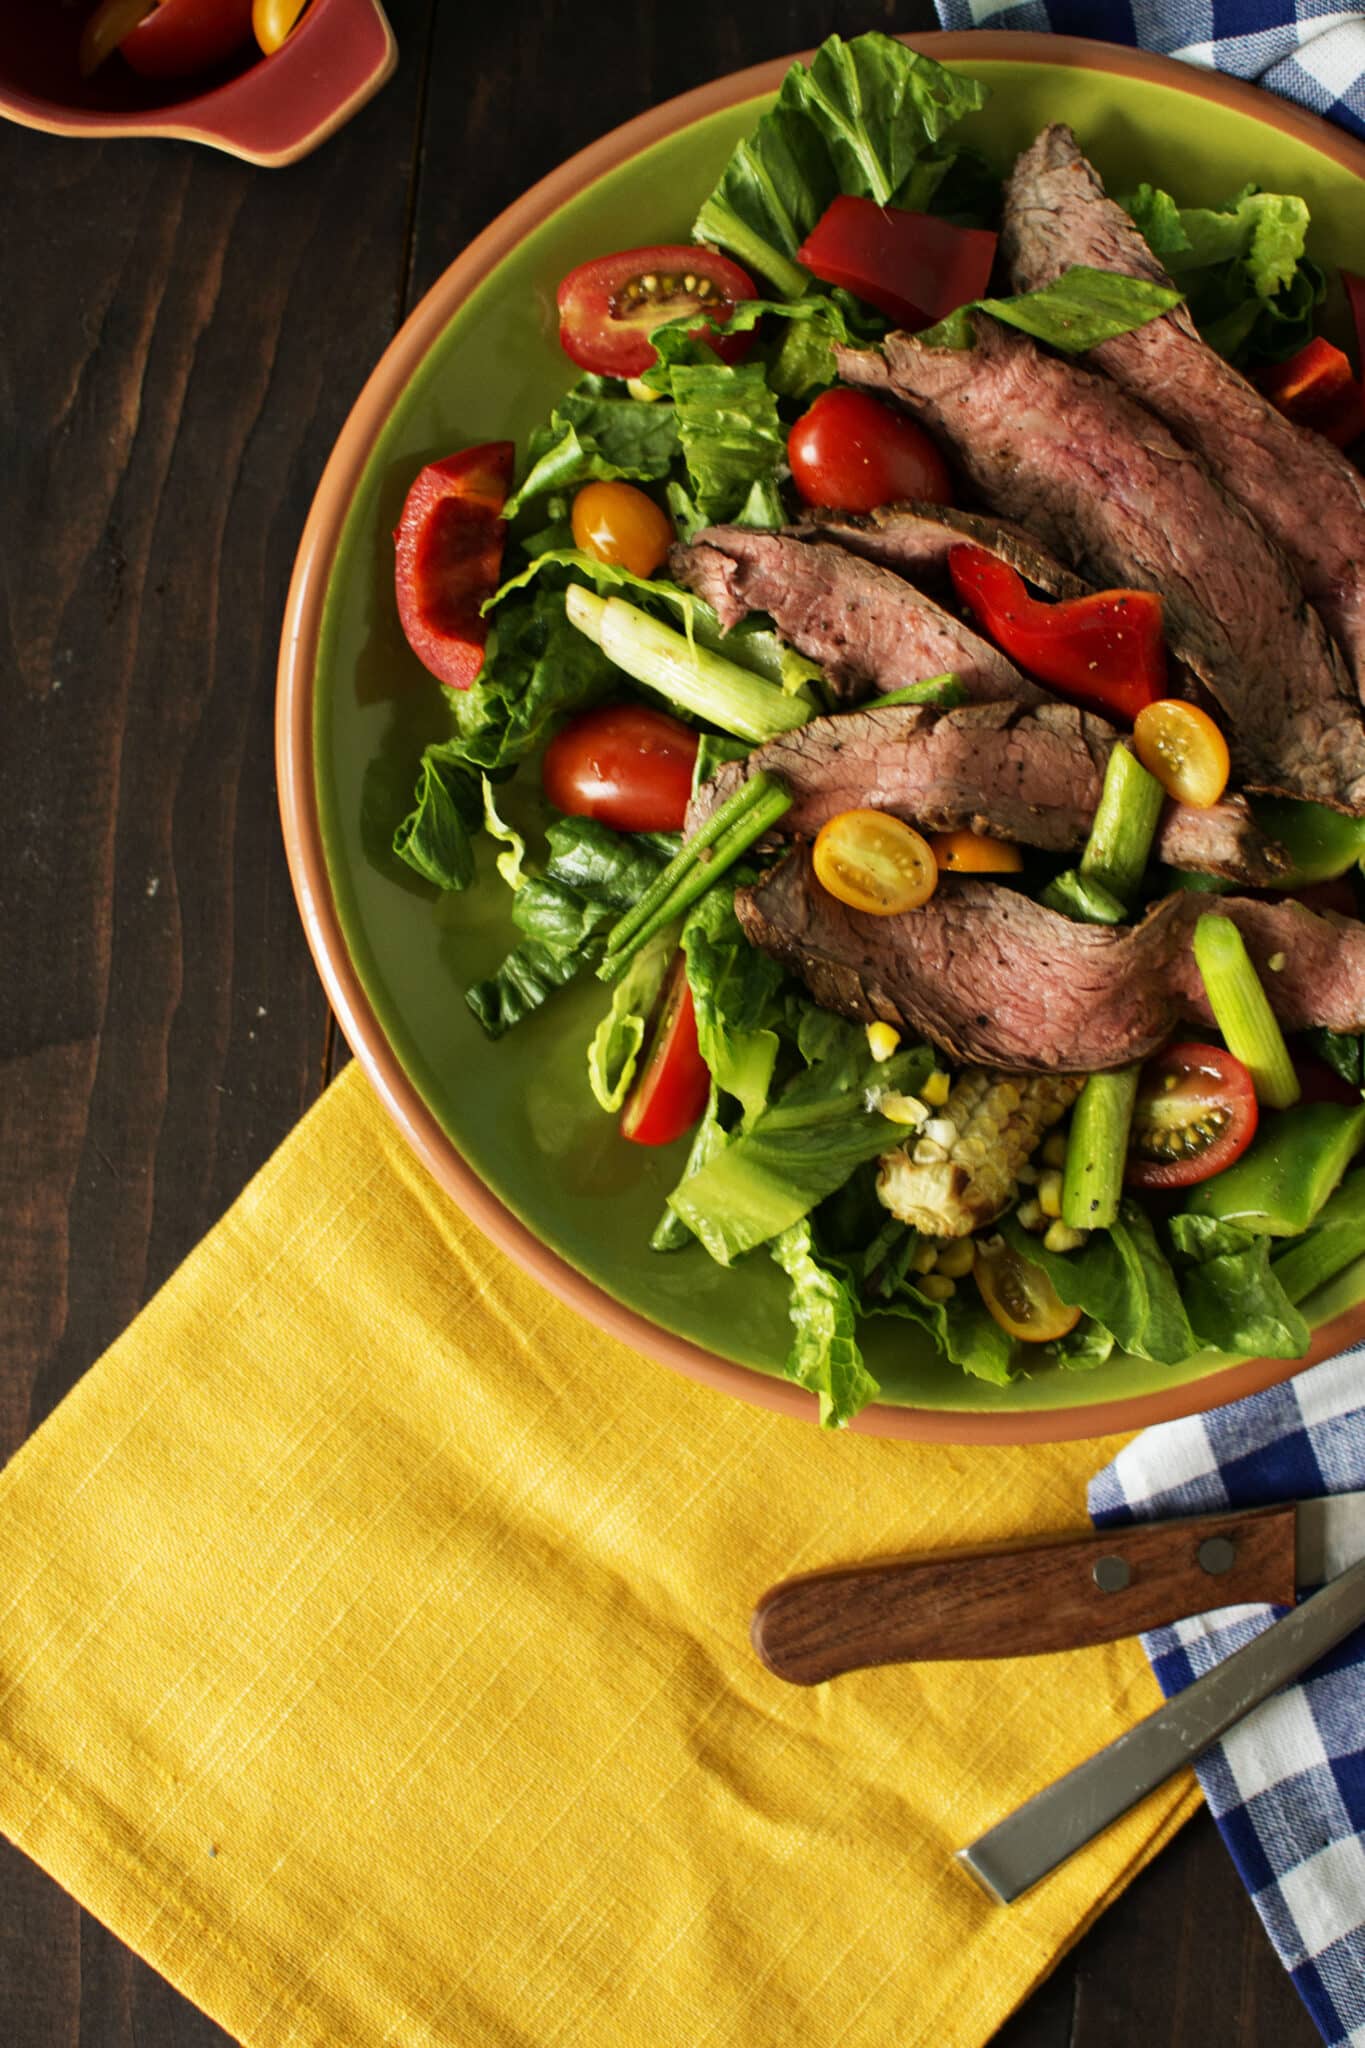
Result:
<point x="1020" y="1295"/>
<point x="974" y="853"/>
<point x="874" y="862"/>
<point x="1183" y="748"/>
<point x="613" y="522"/>
<point x="272" y="20"/>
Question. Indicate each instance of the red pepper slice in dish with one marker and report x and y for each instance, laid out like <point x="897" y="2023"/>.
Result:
<point x="914" y="267"/>
<point x="671" y="1090"/>
<point x="1315" y="388"/>
<point x="448" y="558"/>
<point x="609" y="308"/>
<point x="174" y="39"/>
<point x="1105" y="651"/>
<point x="1195" y="1113"/>
<point x="853" y="454"/>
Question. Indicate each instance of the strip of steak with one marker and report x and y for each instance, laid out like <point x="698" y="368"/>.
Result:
<point x="1303" y="491"/>
<point x="1107" y="485"/>
<point x="991" y="976"/>
<point x="1031" y="776"/>
<point x="916" y="540"/>
<point x="865" y="626"/>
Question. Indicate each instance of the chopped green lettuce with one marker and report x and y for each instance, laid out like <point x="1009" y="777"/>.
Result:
<point x="615" y="1047"/>
<point x="866" y="118"/>
<point x="735" y="994"/>
<point x="1234" y="1299"/>
<point x="596" y="433"/>
<point x="1123" y="1279"/>
<point x="538" y="669"/>
<point x="1079" y="310"/>
<point x="825" y="1356"/>
<point x="436" y="836"/>
<point x="1252" y="292"/>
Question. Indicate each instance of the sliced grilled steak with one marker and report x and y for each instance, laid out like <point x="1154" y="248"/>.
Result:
<point x="867" y="628"/>
<point x="916" y="540"/>
<point x="1106" y="484"/>
<point x="1031" y="776"/>
<point x="991" y="976"/>
<point x="1304" y="492"/>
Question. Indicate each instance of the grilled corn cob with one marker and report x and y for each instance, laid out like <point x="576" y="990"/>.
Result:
<point x="997" y="1120"/>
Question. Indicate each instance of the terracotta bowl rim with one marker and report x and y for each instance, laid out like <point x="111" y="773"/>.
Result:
<point x="299" y="810"/>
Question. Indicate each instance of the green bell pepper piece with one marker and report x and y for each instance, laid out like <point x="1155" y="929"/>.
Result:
<point x="1279" y="1185"/>
<point x="1320" y="843"/>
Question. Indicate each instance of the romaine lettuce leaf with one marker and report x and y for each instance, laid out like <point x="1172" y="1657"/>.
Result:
<point x="615" y="1047"/>
<point x="595" y="433"/>
<point x="735" y="995"/>
<point x="1252" y="292"/>
<point x="436" y="836"/>
<point x="731" y="436"/>
<point x="1233" y="1298"/>
<point x="825" y="1356"/>
<point x="1079" y="310"/>
<point x="539" y="668"/>
<point x="863" y="119"/>
<point x="1123" y="1279"/>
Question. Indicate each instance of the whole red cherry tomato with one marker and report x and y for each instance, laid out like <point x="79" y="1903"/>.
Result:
<point x="447" y="557"/>
<point x="854" y="454"/>
<point x="609" y="308"/>
<point x="1195" y="1113"/>
<point x="624" y="764"/>
<point x="180" y="37"/>
<point x="670" y="1093"/>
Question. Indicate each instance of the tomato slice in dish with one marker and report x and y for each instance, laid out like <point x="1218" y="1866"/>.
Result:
<point x="1183" y="748"/>
<point x="1019" y="1295"/>
<point x="874" y="862"/>
<point x="448" y="556"/>
<point x="609" y="308"/>
<point x="670" y="1093"/>
<point x="1195" y="1113"/>
<point x="625" y="764"/>
<point x="180" y="37"/>
<point x="853" y="454"/>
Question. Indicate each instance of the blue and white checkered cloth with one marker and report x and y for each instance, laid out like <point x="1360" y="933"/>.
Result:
<point x="1312" y="51"/>
<point x="1287" y="1785"/>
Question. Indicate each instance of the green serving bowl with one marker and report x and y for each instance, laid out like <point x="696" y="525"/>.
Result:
<point x="510" y="1129"/>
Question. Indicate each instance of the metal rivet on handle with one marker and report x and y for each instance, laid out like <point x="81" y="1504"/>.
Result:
<point x="1111" y="1574"/>
<point x="1217" y="1554"/>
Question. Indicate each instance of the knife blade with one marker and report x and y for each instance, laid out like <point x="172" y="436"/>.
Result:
<point x="1089" y="1587"/>
<point x="1019" y="1850"/>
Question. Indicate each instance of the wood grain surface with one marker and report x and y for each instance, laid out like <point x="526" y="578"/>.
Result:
<point x="181" y="337"/>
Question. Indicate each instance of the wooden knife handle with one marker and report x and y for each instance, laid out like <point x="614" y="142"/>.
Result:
<point x="1059" y="1595"/>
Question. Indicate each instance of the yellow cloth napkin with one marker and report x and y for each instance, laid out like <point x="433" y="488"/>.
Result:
<point x="374" y="1661"/>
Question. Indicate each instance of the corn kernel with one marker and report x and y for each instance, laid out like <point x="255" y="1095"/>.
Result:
<point x="882" y="1040"/>
<point x="937" y="1088"/>
<point x="938" y="1287"/>
<point x="1027" y="1175"/>
<point x="942" y="1130"/>
<point x="1030" y="1215"/>
<point x="928" y="1153"/>
<point x="902" y="1109"/>
<point x="1060" y="1237"/>
<point x="1050" y="1192"/>
<point x="1054" y="1149"/>
<point x="956" y="1258"/>
<point x="644" y="392"/>
<point x="924" y="1258"/>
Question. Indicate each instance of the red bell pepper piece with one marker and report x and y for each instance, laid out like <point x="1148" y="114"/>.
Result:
<point x="1315" y="388"/>
<point x="1355" y="296"/>
<point x="914" y="267"/>
<point x="670" y="1092"/>
<point x="1105" y="651"/>
<point x="449" y="544"/>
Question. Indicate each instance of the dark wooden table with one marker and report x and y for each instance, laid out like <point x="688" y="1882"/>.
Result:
<point x="181" y="337"/>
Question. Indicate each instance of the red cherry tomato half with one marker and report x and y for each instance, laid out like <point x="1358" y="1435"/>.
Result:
<point x="1195" y="1113"/>
<point x="180" y="37"/>
<point x="670" y="1093"/>
<point x="623" y="764"/>
<point x="448" y="557"/>
<point x="854" y="454"/>
<point x="609" y="308"/>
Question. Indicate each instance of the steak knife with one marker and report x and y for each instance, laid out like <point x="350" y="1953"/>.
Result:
<point x="1091" y="1587"/>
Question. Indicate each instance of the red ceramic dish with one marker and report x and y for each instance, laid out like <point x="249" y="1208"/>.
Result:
<point x="300" y="769"/>
<point x="269" y="110"/>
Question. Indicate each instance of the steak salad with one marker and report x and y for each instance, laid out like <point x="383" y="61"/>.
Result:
<point x="934" y="621"/>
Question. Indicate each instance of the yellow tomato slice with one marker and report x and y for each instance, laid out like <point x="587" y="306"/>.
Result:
<point x="1020" y="1295"/>
<point x="1183" y="748"/>
<point x="271" y="21"/>
<point x="974" y="853"/>
<point x="874" y="862"/>
<point x="613" y="522"/>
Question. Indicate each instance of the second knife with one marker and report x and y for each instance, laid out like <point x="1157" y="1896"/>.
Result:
<point x="1091" y="1587"/>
